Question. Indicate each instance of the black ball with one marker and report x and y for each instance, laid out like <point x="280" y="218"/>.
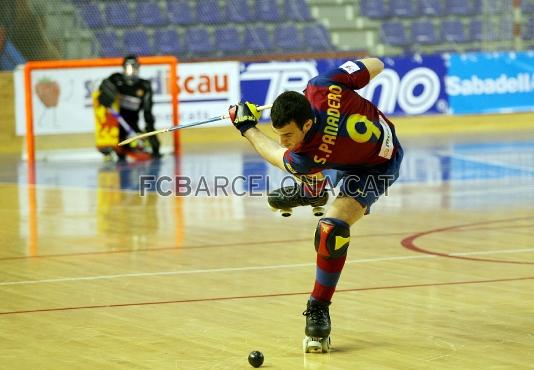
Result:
<point x="255" y="358"/>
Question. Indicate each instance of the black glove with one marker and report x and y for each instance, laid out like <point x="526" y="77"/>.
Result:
<point x="244" y="116"/>
<point x="108" y="93"/>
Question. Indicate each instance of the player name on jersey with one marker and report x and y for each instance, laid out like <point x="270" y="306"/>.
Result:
<point x="332" y="123"/>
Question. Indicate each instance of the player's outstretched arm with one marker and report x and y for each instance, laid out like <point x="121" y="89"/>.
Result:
<point x="245" y="116"/>
<point x="267" y="148"/>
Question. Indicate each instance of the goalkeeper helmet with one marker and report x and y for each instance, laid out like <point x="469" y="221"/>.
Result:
<point x="131" y="69"/>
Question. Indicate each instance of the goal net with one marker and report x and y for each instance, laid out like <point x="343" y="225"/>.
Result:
<point x="57" y="112"/>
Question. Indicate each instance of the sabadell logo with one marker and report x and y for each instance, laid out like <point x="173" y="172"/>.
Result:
<point x="520" y="83"/>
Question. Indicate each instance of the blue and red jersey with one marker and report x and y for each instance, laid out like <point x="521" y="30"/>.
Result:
<point x="349" y="132"/>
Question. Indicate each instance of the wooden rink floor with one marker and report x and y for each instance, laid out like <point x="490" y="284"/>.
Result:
<point x="439" y="276"/>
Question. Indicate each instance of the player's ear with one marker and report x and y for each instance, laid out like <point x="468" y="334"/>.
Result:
<point x="307" y="125"/>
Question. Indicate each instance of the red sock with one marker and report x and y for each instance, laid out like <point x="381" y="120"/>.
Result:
<point x="327" y="275"/>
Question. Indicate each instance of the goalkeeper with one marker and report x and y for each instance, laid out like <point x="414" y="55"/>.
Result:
<point x="134" y="94"/>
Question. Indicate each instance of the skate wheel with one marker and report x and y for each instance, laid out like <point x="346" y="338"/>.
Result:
<point x="311" y="345"/>
<point x="286" y="212"/>
<point x="318" y="211"/>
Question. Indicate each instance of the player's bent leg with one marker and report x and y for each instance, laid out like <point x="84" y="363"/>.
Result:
<point x="332" y="237"/>
<point x="346" y="209"/>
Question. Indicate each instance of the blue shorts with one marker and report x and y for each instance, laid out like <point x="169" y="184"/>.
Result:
<point x="366" y="185"/>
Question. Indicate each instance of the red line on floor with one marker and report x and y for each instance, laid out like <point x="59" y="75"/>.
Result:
<point x="409" y="242"/>
<point x="213" y="299"/>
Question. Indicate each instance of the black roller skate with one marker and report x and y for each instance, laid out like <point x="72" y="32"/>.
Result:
<point x="317" y="328"/>
<point x="288" y="197"/>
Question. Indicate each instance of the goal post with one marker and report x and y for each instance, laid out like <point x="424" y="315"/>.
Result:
<point x="30" y="88"/>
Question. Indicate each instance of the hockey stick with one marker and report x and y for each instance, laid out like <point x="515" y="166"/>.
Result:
<point x="129" y="131"/>
<point x="174" y="128"/>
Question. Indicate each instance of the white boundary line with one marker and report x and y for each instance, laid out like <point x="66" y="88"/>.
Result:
<point x="250" y="268"/>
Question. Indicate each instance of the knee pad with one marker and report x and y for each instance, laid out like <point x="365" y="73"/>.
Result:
<point x="332" y="237"/>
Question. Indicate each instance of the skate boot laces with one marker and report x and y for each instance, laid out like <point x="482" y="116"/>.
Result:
<point x="318" y="314"/>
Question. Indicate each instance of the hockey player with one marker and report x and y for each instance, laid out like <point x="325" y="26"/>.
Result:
<point x="329" y="127"/>
<point x="135" y="94"/>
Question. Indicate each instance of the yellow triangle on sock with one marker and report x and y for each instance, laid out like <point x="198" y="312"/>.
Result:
<point x="341" y="242"/>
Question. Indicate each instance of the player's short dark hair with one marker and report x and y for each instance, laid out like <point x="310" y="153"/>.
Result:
<point x="291" y="106"/>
